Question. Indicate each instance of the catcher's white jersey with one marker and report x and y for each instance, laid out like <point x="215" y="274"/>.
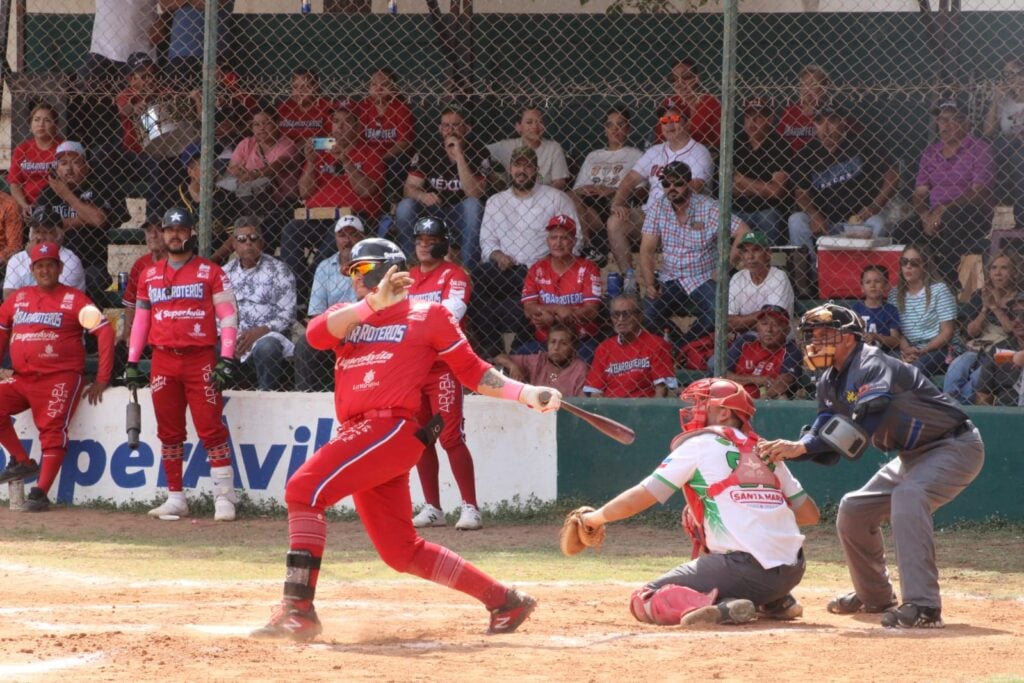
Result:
<point x="752" y="519"/>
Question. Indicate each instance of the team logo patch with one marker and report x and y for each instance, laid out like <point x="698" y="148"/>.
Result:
<point x="851" y="396"/>
<point x="762" y="499"/>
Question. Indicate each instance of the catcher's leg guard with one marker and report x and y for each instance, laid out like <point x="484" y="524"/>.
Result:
<point x="668" y="604"/>
<point x="296" y="582"/>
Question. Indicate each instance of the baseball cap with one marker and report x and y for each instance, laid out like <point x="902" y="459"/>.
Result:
<point x="45" y="250"/>
<point x="137" y="61"/>
<point x="777" y="312"/>
<point x="757" y="238"/>
<point x="177" y="216"/>
<point x="70" y="147"/>
<point x="676" y="169"/>
<point x="350" y="221"/>
<point x="758" y="104"/>
<point x="562" y="221"/>
<point x="524" y="152"/>
<point x="46" y="215"/>
<point x="950" y="103"/>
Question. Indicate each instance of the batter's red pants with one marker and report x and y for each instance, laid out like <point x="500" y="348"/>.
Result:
<point x="369" y="459"/>
<point x="181" y="378"/>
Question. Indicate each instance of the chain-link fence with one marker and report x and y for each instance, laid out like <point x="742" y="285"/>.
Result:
<point x="877" y="158"/>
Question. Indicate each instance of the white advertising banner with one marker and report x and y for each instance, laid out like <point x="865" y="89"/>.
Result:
<point x="272" y="434"/>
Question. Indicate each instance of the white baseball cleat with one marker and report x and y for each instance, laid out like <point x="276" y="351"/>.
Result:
<point x="172" y="507"/>
<point x="223" y="509"/>
<point x="429" y="516"/>
<point x="469" y="519"/>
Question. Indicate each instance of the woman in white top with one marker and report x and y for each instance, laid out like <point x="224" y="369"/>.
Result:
<point x="928" y="312"/>
<point x="1006" y="114"/>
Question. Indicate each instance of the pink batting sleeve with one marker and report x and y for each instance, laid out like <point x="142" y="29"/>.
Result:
<point x="140" y="333"/>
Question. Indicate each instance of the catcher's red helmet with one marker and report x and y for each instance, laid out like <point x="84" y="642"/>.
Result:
<point x="716" y="392"/>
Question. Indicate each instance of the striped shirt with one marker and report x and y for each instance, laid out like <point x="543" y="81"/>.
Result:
<point x="919" y="322"/>
<point x="689" y="249"/>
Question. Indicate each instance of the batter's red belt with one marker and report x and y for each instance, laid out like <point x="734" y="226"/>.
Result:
<point x="183" y="350"/>
<point x="400" y="413"/>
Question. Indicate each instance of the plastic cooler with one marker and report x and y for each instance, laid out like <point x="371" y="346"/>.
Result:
<point x="840" y="266"/>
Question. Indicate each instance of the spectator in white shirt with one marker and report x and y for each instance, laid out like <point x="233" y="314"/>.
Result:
<point x="551" y="167"/>
<point x="45" y="226"/>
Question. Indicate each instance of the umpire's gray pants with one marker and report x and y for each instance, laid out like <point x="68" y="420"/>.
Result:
<point x="735" y="575"/>
<point x="905" y="492"/>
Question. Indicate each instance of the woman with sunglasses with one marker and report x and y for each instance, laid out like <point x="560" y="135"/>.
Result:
<point x="928" y="312"/>
<point x="989" y="321"/>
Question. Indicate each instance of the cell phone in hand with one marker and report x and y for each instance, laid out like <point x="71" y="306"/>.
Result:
<point x="323" y="144"/>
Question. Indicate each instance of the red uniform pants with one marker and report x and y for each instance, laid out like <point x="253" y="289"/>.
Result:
<point x="180" y="378"/>
<point x="442" y="395"/>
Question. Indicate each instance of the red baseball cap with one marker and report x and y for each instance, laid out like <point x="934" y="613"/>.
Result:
<point x="777" y="312"/>
<point x="564" y="222"/>
<point x="45" y="250"/>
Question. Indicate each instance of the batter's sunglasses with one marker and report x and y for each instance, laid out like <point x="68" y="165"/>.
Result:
<point x="362" y="268"/>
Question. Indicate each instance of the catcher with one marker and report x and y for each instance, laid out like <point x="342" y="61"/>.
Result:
<point x="744" y="516"/>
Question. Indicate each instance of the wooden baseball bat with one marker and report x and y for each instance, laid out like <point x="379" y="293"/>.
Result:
<point x="605" y="425"/>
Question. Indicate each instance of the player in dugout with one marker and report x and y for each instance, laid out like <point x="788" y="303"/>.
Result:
<point x="385" y="346"/>
<point x="43" y="324"/>
<point x="866" y="396"/>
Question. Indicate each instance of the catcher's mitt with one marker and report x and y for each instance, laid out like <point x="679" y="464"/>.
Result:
<point x="576" y="536"/>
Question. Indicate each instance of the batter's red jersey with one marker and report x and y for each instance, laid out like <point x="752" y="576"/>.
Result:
<point x="300" y="123"/>
<point x="395" y="124"/>
<point x="630" y="370"/>
<point x="182" y="302"/>
<point x="447" y="282"/>
<point x="45" y="334"/>
<point x="580" y="284"/>
<point x="383" y="362"/>
<point x="132" y="288"/>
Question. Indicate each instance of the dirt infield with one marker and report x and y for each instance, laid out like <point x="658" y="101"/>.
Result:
<point x="67" y="611"/>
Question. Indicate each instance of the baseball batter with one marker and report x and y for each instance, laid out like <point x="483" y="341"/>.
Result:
<point x="179" y="302"/>
<point x="41" y="325"/>
<point x="385" y="346"/>
<point x="866" y="395"/>
<point x="745" y="518"/>
<point x="437" y="280"/>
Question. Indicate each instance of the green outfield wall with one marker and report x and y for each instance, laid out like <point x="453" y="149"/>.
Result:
<point x="593" y="467"/>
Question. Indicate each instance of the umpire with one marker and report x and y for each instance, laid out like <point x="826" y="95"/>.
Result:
<point x="865" y="395"/>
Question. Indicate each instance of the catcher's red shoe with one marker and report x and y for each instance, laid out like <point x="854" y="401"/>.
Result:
<point x="517" y="609"/>
<point x="288" y="621"/>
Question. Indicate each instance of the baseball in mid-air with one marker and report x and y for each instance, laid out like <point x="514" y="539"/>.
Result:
<point x="90" y="317"/>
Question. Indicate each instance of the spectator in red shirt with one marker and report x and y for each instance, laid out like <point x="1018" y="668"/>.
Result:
<point x="797" y="123"/>
<point x="388" y="126"/>
<point x="703" y="110"/>
<point x="634" y="363"/>
<point x="305" y="114"/>
<point x="559" y="366"/>
<point x="563" y="288"/>
<point x="349" y="175"/>
<point x="34" y="159"/>
<point x="768" y="365"/>
<point x="12" y="236"/>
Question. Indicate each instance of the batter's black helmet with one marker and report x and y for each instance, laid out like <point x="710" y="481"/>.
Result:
<point x="372" y="258"/>
<point x="434" y="227"/>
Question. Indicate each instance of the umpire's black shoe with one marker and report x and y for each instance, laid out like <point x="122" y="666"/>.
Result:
<point x="18" y="470"/>
<point x="36" y="501"/>
<point x="909" y="615"/>
<point x="851" y="604"/>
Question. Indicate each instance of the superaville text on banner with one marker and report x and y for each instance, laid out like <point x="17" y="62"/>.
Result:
<point x="272" y="434"/>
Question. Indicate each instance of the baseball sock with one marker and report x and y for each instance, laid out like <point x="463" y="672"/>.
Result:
<point x="219" y="456"/>
<point x="307" y="530"/>
<point x="52" y="460"/>
<point x="440" y="565"/>
<point x="12" y="444"/>
<point x="171" y="457"/>
<point x="462" y="469"/>
<point x="427" y="469"/>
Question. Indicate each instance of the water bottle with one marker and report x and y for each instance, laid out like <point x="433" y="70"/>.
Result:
<point x="629" y="282"/>
<point x="614" y="287"/>
<point x="392" y="6"/>
<point x="306" y="6"/>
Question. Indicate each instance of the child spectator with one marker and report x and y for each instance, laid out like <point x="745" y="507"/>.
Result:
<point x="881" y="318"/>
<point x="559" y="366"/>
<point x="305" y="114"/>
<point x="551" y="167"/>
<point x="33" y="160"/>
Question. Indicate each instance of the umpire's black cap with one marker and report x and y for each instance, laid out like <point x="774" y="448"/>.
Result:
<point x="177" y="216"/>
